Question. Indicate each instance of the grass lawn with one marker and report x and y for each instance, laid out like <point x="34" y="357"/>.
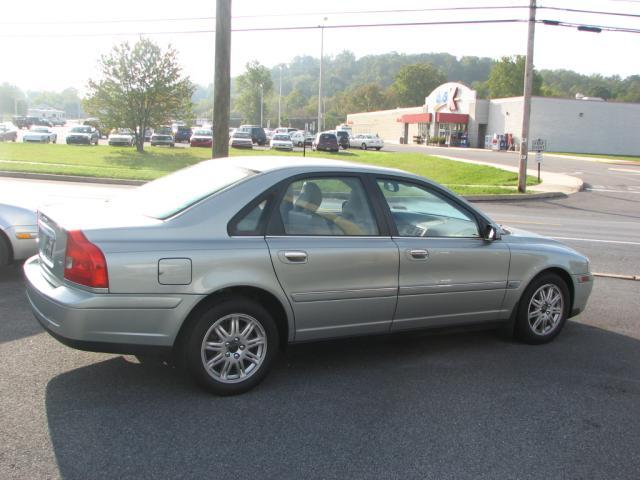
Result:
<point x="126" y="163"/>
<point x="600" y="155"/>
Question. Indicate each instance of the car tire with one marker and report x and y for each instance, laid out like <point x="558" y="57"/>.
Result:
<point x="363" y="146"/>
<point x="378" y="148"/>
<point x="219" y="352"/>
<point x="543" y="310"/>
<point x="5" y="252"/>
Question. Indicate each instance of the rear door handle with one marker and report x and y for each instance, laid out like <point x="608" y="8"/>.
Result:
<point x="419" y="254"/>
<point x="294" y="256"/>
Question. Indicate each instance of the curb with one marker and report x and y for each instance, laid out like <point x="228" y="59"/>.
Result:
<point x="514" y="197"/>
<point x="71" y="178"/>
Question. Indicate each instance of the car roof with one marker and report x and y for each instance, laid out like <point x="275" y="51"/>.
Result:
<point x="272" y="163"/>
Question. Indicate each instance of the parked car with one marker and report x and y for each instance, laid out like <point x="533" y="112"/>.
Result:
<point x="231" y="131"/>
<point x="309" y="138"/>
<point x="123" y="137"/>
<point x="162" y="139"/>
<point x="263" y="251"/>
<point x="40" y="135"/>
<point x="8" y="133"/>
<point x="182" y="134"/>
<point x="258" y="135"/>
<point x="18" y="233"/>
<point x="58" y="122"/>
<point x="367" y="140"/>
<point x="97" y="124"/>
<point x="241" y="140"/>
<point x="202" y="138"/>
<point x="297" y="138"/>
<point x="40" y="121"/>
<point x="84" y="135"/>
<point x="325" y="141"/>
<point x="281" y="141"/>
<point x="147" y="134"/>
<point x="344" y="140"/>
<point x="22" y="121"/>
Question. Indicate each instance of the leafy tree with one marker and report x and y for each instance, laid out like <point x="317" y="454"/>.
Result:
<point x="507" y="78"/>
<point x="414" y="82"/>
<point x="141" y="86"/>
<point x="10" y="98"/>
<point x="251" y="94"/>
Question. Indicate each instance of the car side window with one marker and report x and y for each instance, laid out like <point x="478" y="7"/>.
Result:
<point x="251" y="222"/>
<point x="327" y="206"/>
<point x="419" y="212"/>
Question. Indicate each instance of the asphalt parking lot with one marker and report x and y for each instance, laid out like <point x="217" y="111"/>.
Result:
<point x="456" y="405"/>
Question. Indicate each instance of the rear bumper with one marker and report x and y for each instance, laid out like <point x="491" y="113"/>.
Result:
<point x="111" y="323"/>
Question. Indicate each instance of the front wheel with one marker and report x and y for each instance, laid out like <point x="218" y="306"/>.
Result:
<point x="543" y="309"/>
<point x="231" y="347"/>
<point x="363" y="146"/>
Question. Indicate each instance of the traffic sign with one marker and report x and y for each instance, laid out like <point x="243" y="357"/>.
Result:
<point x="539" y="145"/>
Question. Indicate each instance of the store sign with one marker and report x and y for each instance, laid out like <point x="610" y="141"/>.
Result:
<point x="451" y="97"/>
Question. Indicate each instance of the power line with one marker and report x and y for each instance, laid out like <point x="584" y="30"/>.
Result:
<point x="266" y="15"/>
<point x="595" y="12"/>
<point x="267" y="29"/>
<point x="588" y="27"/>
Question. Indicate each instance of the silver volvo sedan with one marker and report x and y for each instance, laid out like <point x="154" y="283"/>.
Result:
<point x="225" y="262"/>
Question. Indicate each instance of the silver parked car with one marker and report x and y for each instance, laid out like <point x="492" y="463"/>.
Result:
<point x="258" y="252"/>
<point x="18" y="232"/>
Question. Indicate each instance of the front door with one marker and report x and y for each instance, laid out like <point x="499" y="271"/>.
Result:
<point x="332" y="259"/>
<point x="449" y="275"/>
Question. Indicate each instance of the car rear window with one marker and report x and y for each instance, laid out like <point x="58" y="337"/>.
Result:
<point x="166" y="196"/>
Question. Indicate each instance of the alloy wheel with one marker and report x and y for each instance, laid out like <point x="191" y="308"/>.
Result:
<point x="545" y="309"/>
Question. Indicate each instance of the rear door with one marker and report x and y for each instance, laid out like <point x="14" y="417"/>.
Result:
<point x="333" y="257"/>
<point x="449" y="275"/>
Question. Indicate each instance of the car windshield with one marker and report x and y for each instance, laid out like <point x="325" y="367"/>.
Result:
<point x="81" y="129"/>
<point x="204" y="133"/>
<point x="40" y="129"/>
<point x="281" y="137"/>
<point x="241" y="135"/>
<point x="169" y="195"/>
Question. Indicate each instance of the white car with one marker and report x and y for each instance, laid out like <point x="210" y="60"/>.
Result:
<point x="281" y="141"/>
<point x="297" y="138"/>
<point x="123" y="137"/>
<point x="367" y="140"/>
<point x="18" y="233"/>
<point x="40" y="135"/>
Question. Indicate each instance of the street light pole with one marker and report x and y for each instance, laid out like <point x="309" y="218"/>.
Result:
<point x="526" y="110"/>
<point x="280" y="98"/>
<point x="320" y="77"/>
<point x="261" y="102"/>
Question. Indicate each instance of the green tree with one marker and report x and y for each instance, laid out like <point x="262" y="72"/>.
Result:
<point x="141" y="86"/>
<point x="254" y="86"/>
<point x="414" y="82"/>
<point x="507" y="78"/>
<point x="11" y="98"/>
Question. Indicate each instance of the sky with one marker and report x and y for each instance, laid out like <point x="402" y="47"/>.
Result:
<point x="54" y="44"/>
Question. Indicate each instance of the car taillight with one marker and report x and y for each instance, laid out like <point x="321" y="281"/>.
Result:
<point x="84" y="262"/>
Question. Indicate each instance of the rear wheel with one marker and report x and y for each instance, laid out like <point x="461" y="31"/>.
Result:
<point x="378" y="148"/>
<point x="363" y="146"/>
<point x="543" y="309"/>
<point x="231" y="347"/>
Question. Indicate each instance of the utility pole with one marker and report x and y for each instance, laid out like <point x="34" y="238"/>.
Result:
<point x="526" y="110"/>
<point x="320" y="77"/>
<point x="222" y="80"/>
<point x="280" y="98"/>
<point x="261" y="102"/>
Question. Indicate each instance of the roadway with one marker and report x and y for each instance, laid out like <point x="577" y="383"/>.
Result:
<point x="467" y="405"/>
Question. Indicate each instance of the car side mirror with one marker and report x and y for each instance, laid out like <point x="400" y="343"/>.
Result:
<point x="491" y="233"/>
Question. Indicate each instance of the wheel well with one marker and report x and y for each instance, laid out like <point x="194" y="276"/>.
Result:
<point x="4" y="239"/>
<point x="564" y="275"/>
<point x="264" y="298"/>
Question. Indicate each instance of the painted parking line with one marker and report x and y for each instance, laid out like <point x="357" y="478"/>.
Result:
<point x="636" y="171"/>
<point x="596" y="240"/>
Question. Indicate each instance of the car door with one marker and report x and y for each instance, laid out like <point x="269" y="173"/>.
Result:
<point x="333" y="257"/>
<point x="449" y="274"/>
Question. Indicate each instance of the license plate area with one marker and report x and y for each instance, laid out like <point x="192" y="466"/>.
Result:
<point x="47" y="243"/>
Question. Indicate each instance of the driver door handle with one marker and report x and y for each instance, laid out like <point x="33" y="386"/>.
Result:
<point x="419" y="254"/>
<point x="295" y="256"/>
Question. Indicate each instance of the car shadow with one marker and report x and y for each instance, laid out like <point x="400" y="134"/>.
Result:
<point x="13" y="306"/>
<point x="406" y="406"/>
